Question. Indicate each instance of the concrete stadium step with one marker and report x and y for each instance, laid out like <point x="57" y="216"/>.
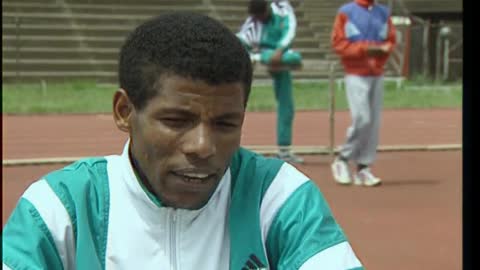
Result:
<point x="59" y="53"/>
<point x="151" y="11"/>
<point x="241" y="12"/>
<point x="32" y="29"/>
<point x="323" y="19"/>
<point x="300" y="74"/>
<point x="103" y="41"/>
<point x="433" y="6"/>
<point x="111" y="77"/>
<point x="89" y="19"/>
<point x="313" y="53"/>
<point x="77" y="31"/>
<point x="302" y="30"/>
<point x="62" y="41"/>
<point x="56" y="75"/>
<point x="321" y="26"/>
<point x="308" y="65"/>
<point x="324" y="4"/>
<point x="229" y="20"/>
<point x="110" y="2"/>
<point x="104" y="30"/>
<point x="307" y="42"/>
<point x="99" y="8"/>
<point x="27" y="64"/>
<point x="244" y="3"/>
<point x="69" y="28"/>
<point x="305" y="32"/>
<point x="58" y="65"/>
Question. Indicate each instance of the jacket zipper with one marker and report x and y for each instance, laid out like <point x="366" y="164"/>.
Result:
<point x="173" y="246"/>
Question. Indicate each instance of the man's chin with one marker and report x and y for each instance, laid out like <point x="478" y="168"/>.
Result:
<point x="188" y="205"/>
<point x="185" y="201"/>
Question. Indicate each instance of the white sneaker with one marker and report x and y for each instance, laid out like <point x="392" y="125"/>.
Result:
<point x="366" y="178"/>
<point x="341" y="172"/>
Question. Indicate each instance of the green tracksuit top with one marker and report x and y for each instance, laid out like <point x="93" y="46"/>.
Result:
<point x="276" y="32"/>
<point x="95" y="214"/>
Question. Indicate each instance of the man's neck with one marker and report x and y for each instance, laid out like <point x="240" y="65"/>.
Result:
<point x="365" y="3"/>
<point x="141" y="177"/>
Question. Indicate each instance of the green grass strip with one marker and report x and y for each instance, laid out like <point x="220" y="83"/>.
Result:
<point x="89" y="97"/>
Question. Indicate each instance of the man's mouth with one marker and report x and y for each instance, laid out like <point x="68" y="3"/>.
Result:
<point x="195" y="178"/>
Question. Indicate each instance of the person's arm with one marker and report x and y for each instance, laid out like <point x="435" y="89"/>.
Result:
<point x="341" y="44"/>
<point x="248" y="34"/>
<point x="285" y="9"/>
<point x="304" y="235"/>
<point x="391" y="40"/>
<point x="386" y="47"/>
<point x="38" y="234"/>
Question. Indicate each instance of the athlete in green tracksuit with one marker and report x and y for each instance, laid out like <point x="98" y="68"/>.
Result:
<point x="268" y="34"/>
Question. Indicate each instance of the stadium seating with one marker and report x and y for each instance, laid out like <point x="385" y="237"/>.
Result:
<point x="80" y="39"/>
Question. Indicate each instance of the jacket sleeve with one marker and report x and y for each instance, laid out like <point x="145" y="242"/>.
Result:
<point x="304" y="235"/>
<point x="27" y="242"/>
<point x="247" y="33"/>
<point x="289" y="35"/>
<point x="39" y="233"/>
<point x="391" y="36"/>
<point x="340" y="43"/>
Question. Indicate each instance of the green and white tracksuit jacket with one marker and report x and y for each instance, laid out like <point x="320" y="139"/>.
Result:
<point x="251" y="30"/>
<point x="262" y="39"/>
<point x="95" y="214"/>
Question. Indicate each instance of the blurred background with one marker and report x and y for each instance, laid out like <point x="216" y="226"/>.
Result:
<point x="79" y="39"/>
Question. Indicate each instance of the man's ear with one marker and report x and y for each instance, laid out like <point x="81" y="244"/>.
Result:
<point x="123" y="110"/>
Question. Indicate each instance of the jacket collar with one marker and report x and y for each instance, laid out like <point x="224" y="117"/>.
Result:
<point x="154" y="204"/>
<point x="365" y="3"/>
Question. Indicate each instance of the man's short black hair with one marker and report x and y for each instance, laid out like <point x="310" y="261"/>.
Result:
<point x="257" y="7"/>
<point x="187" y="44"/>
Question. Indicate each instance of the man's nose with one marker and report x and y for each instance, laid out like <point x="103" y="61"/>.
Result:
<point x="200" y="142"/>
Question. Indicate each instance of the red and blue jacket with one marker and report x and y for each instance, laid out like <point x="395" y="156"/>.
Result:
<point x="357" y="25"/>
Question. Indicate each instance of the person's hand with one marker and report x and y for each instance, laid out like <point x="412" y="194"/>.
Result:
<point x="378" y="50"/>
<point x="277" y="57"/>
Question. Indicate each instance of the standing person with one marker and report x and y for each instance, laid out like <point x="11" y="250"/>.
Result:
<point x="183" y="194"/>
<point x="363" y="36"/>
<point x="268" y="39"/>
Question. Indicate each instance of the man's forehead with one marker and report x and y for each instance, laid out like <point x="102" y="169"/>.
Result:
<point x="179" y="83"/>
<point x="176" y="91"/>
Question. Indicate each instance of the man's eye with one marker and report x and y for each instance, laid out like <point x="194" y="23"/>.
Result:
<point x="175" y="122"/>
<point x="225" y="124"/>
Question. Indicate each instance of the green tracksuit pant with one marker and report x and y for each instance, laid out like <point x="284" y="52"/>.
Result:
<point x="289" y="58"/>
<point x="282" y="85"/>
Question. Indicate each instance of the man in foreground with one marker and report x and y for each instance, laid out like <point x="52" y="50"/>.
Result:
<point x="183" y="194"/>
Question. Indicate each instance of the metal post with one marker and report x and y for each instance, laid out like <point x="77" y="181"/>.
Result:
<point x="426" y="33"/>
<point x="446" y="57"/>
<point x="438" y="54"/>
<point x="331" y="111"/>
